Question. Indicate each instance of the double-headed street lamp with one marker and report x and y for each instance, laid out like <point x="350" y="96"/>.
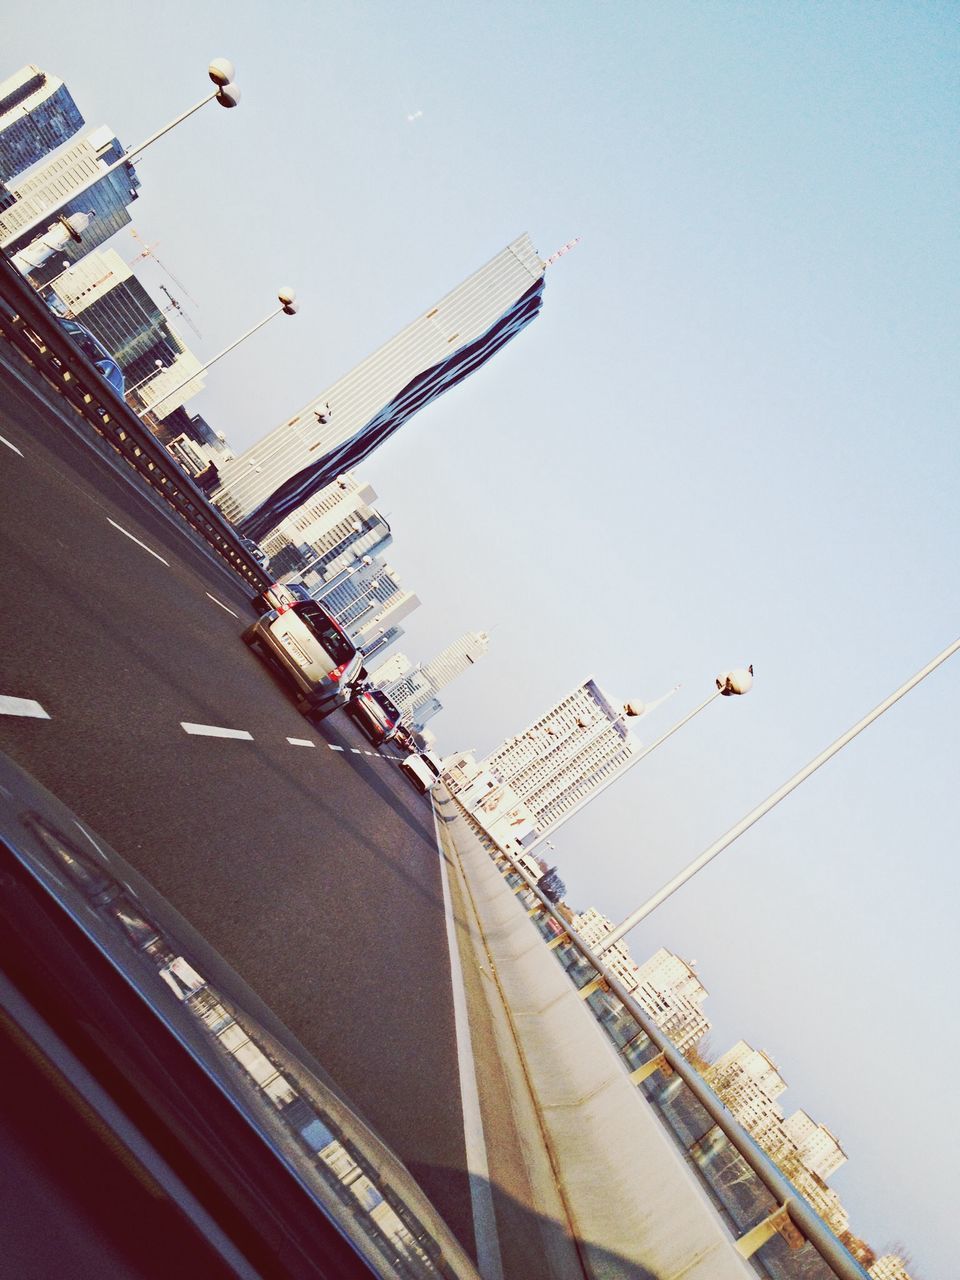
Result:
<point x="288" y="306"/>
<point x="226" y="93"/>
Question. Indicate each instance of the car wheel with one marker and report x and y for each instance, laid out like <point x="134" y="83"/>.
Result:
<point x="249" y="636"/>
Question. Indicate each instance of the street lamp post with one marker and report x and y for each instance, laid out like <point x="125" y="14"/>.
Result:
<point x="756" y="814"/>
<point x="288" y="306"/>
<point x="158" y="365"/>
<point x="227" y="94"/>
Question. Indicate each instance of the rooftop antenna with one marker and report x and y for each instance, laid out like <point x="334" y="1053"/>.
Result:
<point x="555" y="257"/>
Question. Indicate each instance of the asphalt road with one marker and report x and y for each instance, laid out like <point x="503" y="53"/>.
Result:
<point x="312" y="870"/>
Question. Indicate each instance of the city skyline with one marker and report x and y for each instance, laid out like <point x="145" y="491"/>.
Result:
<point x="728" y="437"/>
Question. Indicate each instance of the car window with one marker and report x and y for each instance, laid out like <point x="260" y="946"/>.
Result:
<point x="381" y="698"/>
<point x="334" y="642"/>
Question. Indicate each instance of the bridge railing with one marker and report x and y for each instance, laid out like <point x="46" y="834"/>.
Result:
<point x="31" y="330"/>
<point x="775" y="1227"/>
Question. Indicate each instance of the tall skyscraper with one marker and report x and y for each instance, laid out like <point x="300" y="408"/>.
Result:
<point x="414" y="692"/>
<point x="50" y="187"/>
<point x="351" y="418"/>
<point x="566" y="757"/>
<point x="456" y="658"/>
<point x="37" y="115"/>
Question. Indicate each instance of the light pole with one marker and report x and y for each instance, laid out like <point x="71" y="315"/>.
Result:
<point x="158" y="365"/>
<point x="771" y="801"/>
<point x="226" y="92"/>
<point x="288" y="306"/>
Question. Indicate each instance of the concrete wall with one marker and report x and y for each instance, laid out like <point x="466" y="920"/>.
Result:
<point x="632" y="1205"/>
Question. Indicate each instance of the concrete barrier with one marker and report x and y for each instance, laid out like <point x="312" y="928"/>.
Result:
<point x="633" y="1206"/>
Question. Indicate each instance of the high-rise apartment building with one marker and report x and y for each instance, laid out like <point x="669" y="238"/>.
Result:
<point x="37" y="115"/>
<point x="748" y="1081"/>
<point x="567" y="756"/>
<point x="352" y="417"/>
<point x="672" y="994"/>
<point x="593" y="926"/>
<point x="48" y="190"/>
<point x="816" y="1146"/>
<point x="890" y="1267"/>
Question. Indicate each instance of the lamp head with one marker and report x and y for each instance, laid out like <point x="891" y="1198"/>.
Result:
<point x="221" y="71"/>
<point x="736" y="682"/>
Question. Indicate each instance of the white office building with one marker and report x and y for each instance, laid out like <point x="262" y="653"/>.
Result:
<point x="748" y="1081"/>
<point x="567" y="756"/>
<point x="355" y="415"/>
<point x="326" y="539"/>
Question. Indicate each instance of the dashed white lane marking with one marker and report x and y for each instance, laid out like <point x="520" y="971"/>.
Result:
<point x="21" y="707"/>
<point x="138" y="542"/>
<point x="3" y="440"/>
<point x="334" y="747"/>
<point x="213" y="731"/>
<point x="356" y="751"/>
<point x="221" y="604"/>
<point x="301" y="742"/>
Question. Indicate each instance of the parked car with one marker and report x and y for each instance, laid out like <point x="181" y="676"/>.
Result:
<point x="280" y="593"/>
<point x="254" y="549"/>
<point x="403" y="737"/>
<point x="421" y="770"/>
<point x="374" y="713"/>
<point x="94" y="349"/>
<point x="312" y="651"/>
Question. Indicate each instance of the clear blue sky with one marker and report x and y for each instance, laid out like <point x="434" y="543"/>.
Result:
<point x="730" y="437"/>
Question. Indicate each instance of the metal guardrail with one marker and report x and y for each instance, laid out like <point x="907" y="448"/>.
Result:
<point x="30" y="329"/>
<point x="647" y="1051"/>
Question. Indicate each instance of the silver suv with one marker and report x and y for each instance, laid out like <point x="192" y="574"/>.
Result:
<point x="320" y="660"/>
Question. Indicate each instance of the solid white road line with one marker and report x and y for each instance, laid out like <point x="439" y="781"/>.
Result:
<point x="138" y="542"/>
<point x="488" y="1248"/>
<point x="21" y="707"/>
<point x="489" y="1261"/>
<point x="301" y="742"/>
<point x="213" y="731"/>
<point x="221" y="604"/>
<point x="3" y="440"/>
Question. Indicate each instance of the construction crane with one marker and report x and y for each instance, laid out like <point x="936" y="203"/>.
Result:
<point x="147" y="251"/>
<point x="177" y="306"/>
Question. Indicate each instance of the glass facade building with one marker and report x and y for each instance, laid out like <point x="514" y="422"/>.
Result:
<point x="50" y="189"/>
<point x="37" y="115"/>
<point x="347" y="421"/>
